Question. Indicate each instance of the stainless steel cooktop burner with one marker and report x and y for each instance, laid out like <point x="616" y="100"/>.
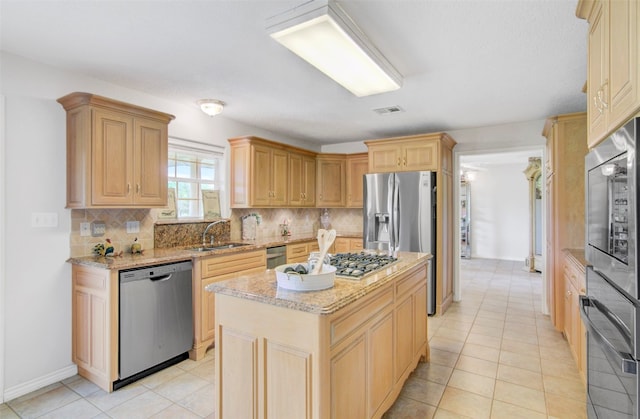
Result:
<point x="358" y="265"/>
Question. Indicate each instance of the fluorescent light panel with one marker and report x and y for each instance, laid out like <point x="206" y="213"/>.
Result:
<point x="328" y="39"/>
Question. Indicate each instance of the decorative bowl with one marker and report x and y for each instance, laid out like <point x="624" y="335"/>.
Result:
<point x="305" y="282"/>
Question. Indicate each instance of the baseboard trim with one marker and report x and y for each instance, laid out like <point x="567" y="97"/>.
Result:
<point x="36" y="384"/>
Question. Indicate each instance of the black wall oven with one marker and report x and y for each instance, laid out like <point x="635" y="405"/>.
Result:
<point x="611" y="307"/>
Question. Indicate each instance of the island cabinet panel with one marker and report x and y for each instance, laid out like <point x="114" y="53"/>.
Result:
<point x="278" y="362"/>
<point x="289" y="383"/>
<point x="349" y="381"/>
<point x="116" y="153"/>
<point x="208" y="271"/>
<point x="240" y="372"/>
<point x="380" y="356"/>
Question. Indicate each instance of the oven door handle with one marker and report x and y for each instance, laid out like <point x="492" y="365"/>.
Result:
<point x="627" y="363"/>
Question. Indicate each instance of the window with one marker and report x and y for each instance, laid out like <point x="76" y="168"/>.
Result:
<point x="194" y="167"/>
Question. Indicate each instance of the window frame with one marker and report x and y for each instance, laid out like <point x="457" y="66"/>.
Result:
<point x="198" y="151"/>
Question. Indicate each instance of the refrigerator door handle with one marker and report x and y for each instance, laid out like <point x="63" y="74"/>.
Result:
<point x="627" y="363"/>
<point x="395" y="218"/>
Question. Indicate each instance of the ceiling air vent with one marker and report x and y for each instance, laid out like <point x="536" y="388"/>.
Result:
<point x="388" y="110"/>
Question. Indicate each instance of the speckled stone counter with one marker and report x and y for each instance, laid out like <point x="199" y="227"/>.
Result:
<point x="159" y="256"/>
<point x="263" y="287"/>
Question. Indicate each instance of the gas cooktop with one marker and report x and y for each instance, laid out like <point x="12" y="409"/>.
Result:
<point x="358" y="265"/>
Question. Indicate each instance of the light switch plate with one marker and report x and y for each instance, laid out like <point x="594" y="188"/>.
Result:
<point x="98" y="228"/>
<point x="44" y="219"/>
<point x="133" y="226"/>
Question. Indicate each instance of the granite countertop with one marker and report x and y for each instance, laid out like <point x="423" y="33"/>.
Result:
<point x="262" y="287"/>
<point x="159" y="256"/>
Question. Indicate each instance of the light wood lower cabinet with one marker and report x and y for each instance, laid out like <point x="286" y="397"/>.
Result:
<point x="574" y="330"/>
<point x="210" y="270"/>
<point x="95" y="324"/>
<point x="347" y="245"/>
<point x="299" y="252"/>
<point x="282" y="363"/>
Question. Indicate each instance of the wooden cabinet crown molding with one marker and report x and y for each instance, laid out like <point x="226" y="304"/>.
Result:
<point x="584" y="8"/>
<point x="251" y="139"/>
<point x="77" y="99"/>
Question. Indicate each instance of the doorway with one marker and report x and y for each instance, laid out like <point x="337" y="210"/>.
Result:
<point x="500" y="215"/>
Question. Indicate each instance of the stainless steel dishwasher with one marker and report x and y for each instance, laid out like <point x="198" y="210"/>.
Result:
<point x="276" y="256"/>
<point x="156" y="319"/>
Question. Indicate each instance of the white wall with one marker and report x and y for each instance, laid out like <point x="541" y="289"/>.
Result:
<point x="500" y="213"/>
<point x="37" y="306"/>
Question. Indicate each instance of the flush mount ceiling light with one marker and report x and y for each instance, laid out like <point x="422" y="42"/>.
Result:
<point x="211" y="106"/>
<point x="321" y="33"/>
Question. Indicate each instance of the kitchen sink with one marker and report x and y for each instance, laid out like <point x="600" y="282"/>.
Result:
<point x="218" y="247"/>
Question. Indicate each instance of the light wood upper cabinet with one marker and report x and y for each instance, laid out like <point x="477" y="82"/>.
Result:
<point x="116" y="153"/>
<point x="357" y="166"/>
<point x="406" y="154"/>
<point x="270" y="171"/>
<point x="259" y="173"/>
<point x="613" y="67"/>
<point x="331" y="180"/>
<point x="302" y="180"/>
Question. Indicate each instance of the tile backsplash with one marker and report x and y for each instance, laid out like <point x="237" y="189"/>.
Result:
<point x="302" y="221"/>
<point x="115" y="229"/>
<point x="172" y="233"/>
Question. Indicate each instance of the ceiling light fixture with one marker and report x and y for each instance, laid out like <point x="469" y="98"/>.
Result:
<point x="211" y="106"/>
<point x="321" y="33"/>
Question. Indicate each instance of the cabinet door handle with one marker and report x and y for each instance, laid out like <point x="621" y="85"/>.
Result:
<point x="404" y="161"/>
<point x="128" y="188"/>
<point x="597" y="105"/>
<point x="398" y="164"/>
<point x="137" y="188"/>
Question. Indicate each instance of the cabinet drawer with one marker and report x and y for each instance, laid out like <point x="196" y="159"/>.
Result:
<point x="343" y="326"/>
<point x="413" y="279"/>
<point x="233" y="263"/>
<point x="295" y="250"/>
<point x="575" y="276"/>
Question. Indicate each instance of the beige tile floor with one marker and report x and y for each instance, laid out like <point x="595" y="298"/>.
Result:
<point x="492" y="356"/>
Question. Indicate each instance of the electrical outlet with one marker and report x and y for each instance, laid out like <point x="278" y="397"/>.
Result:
<point x="85" y="229"/>
<point x="98" y="228"/>
<point x="133" y="226"/>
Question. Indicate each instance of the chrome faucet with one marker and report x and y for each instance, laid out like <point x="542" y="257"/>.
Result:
<point x="204" y="235"/>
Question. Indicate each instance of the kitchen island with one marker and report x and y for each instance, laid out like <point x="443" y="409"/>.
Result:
<point x="344" y="352"/>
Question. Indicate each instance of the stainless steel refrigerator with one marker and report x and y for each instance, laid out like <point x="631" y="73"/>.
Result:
<point x="400" y="215"/>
